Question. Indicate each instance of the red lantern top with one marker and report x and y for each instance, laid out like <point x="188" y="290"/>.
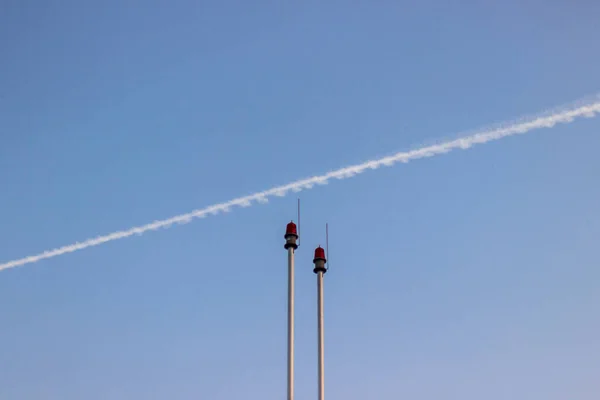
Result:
<point x="291" y="229"/>
<point x="319" y="253"/>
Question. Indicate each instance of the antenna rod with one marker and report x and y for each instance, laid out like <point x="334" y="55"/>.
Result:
<point x="327" y="242"/>
<point x="291" y="236"/>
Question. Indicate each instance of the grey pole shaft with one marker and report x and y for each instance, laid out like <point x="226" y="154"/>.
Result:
<point x="290" y="343"/>
<point x="321" y="336"/>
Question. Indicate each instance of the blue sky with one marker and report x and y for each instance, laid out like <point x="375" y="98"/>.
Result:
<point x="466" y="276"/>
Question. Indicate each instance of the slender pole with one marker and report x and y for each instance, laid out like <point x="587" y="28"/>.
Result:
<point x="290" y="343"/>
<point x="321" y="335"/>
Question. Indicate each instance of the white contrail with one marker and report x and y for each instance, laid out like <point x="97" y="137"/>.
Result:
<point x="566" y="115"/>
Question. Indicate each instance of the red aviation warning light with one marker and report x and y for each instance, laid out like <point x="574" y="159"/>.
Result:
<point x="291" y="233"/>
<point x="291" y="236"/>
<point x="291" y="229"/>
<point x="319" y="260"/>
<point x="319" y="254"/>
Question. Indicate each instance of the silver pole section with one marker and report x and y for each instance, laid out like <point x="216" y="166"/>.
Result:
<point x="291" y="236"/>
<point x="321" y="335"/>
<point x="320" y="270"/>
<point x="290" y="343"/>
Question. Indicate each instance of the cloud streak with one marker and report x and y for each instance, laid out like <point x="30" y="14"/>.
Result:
<point x="589" y="108"/>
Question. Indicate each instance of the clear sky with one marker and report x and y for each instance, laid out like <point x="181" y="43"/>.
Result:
<point x="470" y="276"/>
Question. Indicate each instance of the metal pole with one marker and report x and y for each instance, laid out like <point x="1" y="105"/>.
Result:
<point x="321" y="335"/>
<point x="290" y="344"/>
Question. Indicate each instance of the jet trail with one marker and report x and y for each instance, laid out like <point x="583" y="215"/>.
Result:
<point x="587" y="108"/>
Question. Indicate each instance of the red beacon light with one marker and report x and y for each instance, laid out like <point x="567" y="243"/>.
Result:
<point x="319" y="254"/>
<point x="291" y="236"/>
<point x="319" y="260"/>
<point x="291" y="229"/>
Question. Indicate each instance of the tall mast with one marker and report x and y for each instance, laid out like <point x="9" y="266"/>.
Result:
<point x="320" y="270"/>
<point x="291" y="236"/>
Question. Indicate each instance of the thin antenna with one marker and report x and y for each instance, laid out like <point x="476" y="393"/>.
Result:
<point x="299" y="236"/>
<point x="327" y="245"/>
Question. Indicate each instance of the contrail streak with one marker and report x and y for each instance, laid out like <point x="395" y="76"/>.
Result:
<point x="566" y="115"/>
